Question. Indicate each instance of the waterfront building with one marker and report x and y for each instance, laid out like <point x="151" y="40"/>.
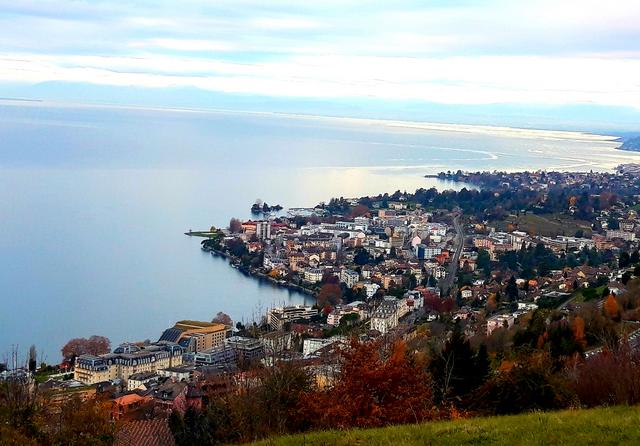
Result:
<point x="263" y="229"/>
<point x="313" y="275"/>
<point x="279" y="316"/>
<point x="126" y="360"/>
<point x="195" y="336"/>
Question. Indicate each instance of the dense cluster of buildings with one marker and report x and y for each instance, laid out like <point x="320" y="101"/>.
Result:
<point x="388" y="264"/>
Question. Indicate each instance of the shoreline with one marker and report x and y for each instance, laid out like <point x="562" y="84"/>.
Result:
<point x="235" y="263"/>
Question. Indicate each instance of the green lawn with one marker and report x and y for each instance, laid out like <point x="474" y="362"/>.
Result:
<point x="606" y="426"/>
<point x="580" y="297"/>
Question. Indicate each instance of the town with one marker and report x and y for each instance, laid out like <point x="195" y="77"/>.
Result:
<point x="546" y="261"/>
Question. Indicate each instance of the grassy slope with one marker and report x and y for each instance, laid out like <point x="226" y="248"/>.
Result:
<point x="548" y="224"/>
<point x="608" y="426"/>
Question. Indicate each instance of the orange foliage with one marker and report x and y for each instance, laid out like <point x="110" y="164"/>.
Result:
<point x="330" y="293"/>
<point x="373" y="389"/>
<point x="491" y="302"/>
<point x="578" y="331"/>
<point x="506" y="366"/>
<point x="359" y="211"/>
<point x="611" y="307"/>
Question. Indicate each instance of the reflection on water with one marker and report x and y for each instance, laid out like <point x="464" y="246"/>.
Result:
<point x="92" y="212"/>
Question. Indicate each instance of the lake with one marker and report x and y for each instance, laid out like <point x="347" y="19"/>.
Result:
<point x="94" y="202"/>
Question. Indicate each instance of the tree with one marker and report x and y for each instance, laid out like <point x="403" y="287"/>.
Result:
<point x="33" y="359"/>
<point x="359" y="211"/>
<point x="375" y="387"/>
<point x="484" y="262"/>
<point x="624" y="259"/>
<point x="362" y="257"/>
<point x="455" y="368"/>
<point x="525" y="386"/>
<point x="235" y="226"/>
<point x="330" y="293"/>
<point x="512" y="289"/>
<point x="611" y="307"/>
<point x="222" y="318"/>
<point x="95" y="345"/>
<point x="237" y="247"/>
<point x="578" y="331"/>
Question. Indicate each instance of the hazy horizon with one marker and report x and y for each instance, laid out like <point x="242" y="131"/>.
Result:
<point x="543" y="64"/>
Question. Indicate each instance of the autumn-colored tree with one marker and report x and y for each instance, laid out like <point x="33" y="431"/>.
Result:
<point x="330" y="293"/>
<point x="359" y="211"/>
<point x="375" y="387"/>
<point x="439" y="305"/>
<point x="95" y="345"/>
<point x="28" y="417"/>
<point x="81" y="422"/>
<point x="578" y="331"/>
<point x="222" y="318"/>
<point x="492" y="304"/>
<point x="611" y="307"/>
<point x="524" y="385"/>
<point x="608" y="378"/>
<point x="573" y="200"/>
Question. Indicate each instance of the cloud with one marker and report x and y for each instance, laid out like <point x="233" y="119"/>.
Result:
<point x="497" y="51"/>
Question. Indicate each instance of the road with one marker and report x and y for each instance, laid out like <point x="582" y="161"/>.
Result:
<point x="633" y="339"/>
<point x="448" y="281"/>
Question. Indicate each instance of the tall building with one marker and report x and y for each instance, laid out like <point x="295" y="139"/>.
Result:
<point x="195" y="336"/>
<point x="263" y="229"/>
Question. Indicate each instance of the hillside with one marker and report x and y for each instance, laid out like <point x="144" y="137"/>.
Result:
<point x="632" y="144"/>
<point x="605" y="426"/>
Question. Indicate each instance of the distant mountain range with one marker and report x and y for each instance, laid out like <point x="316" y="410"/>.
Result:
<point x="615" y="121"/>
<point x="632" y="144"/>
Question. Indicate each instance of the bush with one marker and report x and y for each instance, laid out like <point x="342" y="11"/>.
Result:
<point x="608" y="378"/>
<point x="525" y="386"/>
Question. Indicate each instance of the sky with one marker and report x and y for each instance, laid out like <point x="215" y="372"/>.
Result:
<point x="543" y="53"/>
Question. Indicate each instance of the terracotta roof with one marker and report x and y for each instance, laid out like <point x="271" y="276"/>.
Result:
<point x="145" y="433"/>
<point x="130" y="398"/>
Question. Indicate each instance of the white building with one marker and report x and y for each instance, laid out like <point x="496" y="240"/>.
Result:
<point x="624" y="235"/>
<point x="499" y="321"/>
<point x="385" y="318"/>
<point x="349" y="277"/>
<point x="312" y="345"/>
<point x="277" y="317"/>
<point x="313" y="275"/>
<point x="263" y="229"/>
<point x="370" y="289"/>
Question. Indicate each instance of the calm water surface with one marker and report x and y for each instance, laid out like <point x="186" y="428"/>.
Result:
<point x="94" y="203"/>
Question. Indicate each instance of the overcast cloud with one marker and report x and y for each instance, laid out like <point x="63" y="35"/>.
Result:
<point x="459" y="52"/>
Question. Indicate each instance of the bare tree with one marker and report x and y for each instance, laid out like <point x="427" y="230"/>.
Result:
<point x="33" y="362"/>
<point x="235" y="226"/>
<point x="222" y="318"/>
